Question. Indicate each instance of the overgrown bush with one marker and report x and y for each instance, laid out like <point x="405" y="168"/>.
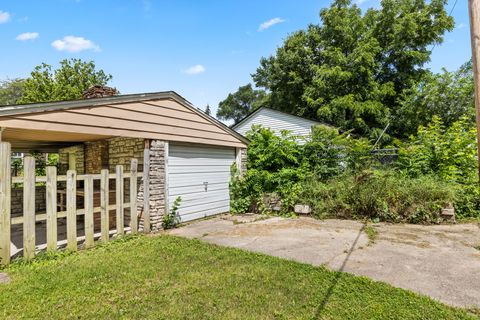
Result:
<point x="379" y="195"/>
<point x="449" y="152"/>
<point x="333" y="172"/>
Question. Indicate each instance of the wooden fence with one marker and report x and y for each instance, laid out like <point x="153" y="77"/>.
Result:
<point x="71" y="212"/>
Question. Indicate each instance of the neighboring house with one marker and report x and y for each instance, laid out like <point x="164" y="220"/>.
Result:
<point x="189" y="153"/>
<point x="277" y="121"/>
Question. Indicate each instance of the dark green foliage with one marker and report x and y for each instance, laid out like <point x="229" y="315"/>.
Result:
<point x="333" y="173"/>
<point x="448" y="95"/>
<point x="241" y="103"/>
<point x="11" y="91"/>
<point x="447" y="151"/>
<point x="351" y="69"/>
<point x="207" y="110"/>
<point x="379" y="195"/>
<point x="171" y="218"/>
<point x="68" y="82"/>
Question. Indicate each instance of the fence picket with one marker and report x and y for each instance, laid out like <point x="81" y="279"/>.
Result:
<point x="29" y="207"/>
<point x="119" y="199"/>
<point x="133" y="196"/>
<point x="71" y="210"/>
<point x="104" y="204"/>
<point x="89" y="232"/>
<point x="5" y="204"/>
<point x="51" y="203"/>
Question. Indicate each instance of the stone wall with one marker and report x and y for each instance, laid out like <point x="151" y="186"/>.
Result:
<point x="79" y="152"/>
<point x="96" y="156"/>
<point x="157" y="186"/>
<point x="122" y="150"/>
<point x="17" y="201"/>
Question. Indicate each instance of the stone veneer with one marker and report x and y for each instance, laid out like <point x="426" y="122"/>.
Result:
<point x="79" y="151"/>
<point x="97" y="155"/>
<point x="157" y="186"/>
<point x="17" y="200"/>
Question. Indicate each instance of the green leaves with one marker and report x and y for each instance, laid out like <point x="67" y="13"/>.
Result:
<point x="351" y="69"/>
<point x="447" y="151"/>
<point x="68" y="82"/>
<point x="239" y="104"/>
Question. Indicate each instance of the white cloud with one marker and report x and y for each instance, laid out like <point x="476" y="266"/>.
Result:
<point x="360" y="2"/>
<point x="461" y="26"/>
<point x="196" y="69"/>
<point x="270" y="23"/>
<point x="27" y="36"/>
<point x="74" y="44"/>
<point x="4" y="16"/>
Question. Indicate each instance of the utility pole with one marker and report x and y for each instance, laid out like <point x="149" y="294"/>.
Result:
<point x="474" y="13"/>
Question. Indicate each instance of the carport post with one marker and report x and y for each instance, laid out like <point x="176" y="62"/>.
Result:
<point x="146" y="187"/>
<point x="5" y="212"/>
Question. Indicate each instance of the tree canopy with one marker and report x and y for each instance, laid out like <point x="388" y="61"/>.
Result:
<point x="351" y="69"/>
<point x="239" y="104"/>
<point x="11" y="90"/>
<point x="68" y="82"/>
<point x="447" y="95"/>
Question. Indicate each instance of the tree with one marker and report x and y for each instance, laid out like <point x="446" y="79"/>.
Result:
<point x="447" y="95"/>
<point x="239" y="104"/>
<point x="11" y="91"/>
<point x="351" y="69"/>
<point x="207" y="110"/>
<point x="65" y="83"/>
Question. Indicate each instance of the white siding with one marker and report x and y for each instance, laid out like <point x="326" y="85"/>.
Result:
<point x="189" y="167"/>
<point x="276" y="121"/>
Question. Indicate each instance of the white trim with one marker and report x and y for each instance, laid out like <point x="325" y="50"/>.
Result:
<point x="165" y="157"/>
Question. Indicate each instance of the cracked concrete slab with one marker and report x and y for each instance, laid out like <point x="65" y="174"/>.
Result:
<point x="440" y="261"/>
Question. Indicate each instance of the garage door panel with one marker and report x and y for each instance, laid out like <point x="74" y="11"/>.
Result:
<point x="180" y="180"/>
<point x="189" y="167"/>
<point x="199" y="197"/>
<point x="199" y="169"/>
<point x="205" y="213"/>
<point x="197" y="188"/>
<point x="201" y="152"/>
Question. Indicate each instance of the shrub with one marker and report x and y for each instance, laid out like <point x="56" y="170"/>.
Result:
<point x="386" y="196"/>
<point x="449" y="152"/>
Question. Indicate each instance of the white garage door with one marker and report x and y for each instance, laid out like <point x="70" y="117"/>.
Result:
<point x="200" y="176"/>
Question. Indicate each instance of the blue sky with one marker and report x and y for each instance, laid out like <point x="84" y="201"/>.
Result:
<point x="201" y="49"/>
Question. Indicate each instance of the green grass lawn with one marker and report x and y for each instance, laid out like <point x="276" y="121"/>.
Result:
<point x="166" y="277"/>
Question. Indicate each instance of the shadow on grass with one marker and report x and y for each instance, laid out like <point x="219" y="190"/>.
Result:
<point x="338" y="275"/>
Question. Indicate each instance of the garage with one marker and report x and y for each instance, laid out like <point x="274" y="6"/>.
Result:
<point x="200" y="176"/>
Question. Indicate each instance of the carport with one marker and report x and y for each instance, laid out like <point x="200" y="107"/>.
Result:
<point x="181" y="151"/>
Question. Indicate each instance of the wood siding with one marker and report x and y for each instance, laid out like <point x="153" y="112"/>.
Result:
<point x="276" y="121"/>
<point x="156" y="119"/>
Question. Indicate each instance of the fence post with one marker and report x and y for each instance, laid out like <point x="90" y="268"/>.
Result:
<point x="119" y="199"/>
<point x="72" y="210"/>
<point x="104" y="204"/>
<point x="133" y="196"/>
<point x="89" y="232"/>
<point x="146" y="187"/>
<point x="5" y="195"/>
<point x="28" y="207"/>
<point x="51" y="208"/>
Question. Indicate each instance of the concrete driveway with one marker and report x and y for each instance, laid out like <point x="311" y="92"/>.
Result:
<point x="442" y="262"/>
